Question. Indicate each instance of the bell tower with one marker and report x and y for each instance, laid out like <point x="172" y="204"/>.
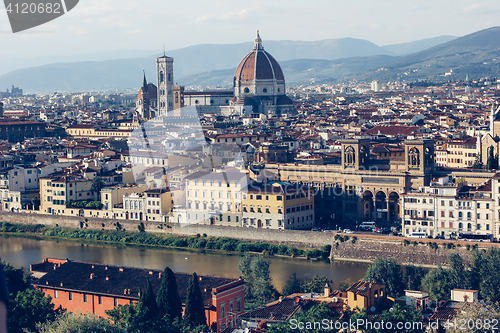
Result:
<point x="419" y="156"/>
<point x="143" y="101"/>
<point x="355" y="154"/>
<point x="165" y="76"/>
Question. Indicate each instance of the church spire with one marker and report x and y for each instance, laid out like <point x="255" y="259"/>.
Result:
<point x="258" y="42"/>
<point x="144" y="81"/>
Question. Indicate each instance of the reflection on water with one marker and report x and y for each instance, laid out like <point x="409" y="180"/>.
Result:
<point x="19" y="251"/>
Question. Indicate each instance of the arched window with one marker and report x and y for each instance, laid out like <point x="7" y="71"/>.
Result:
<point x="349" y="156"/>
<point x="414" y="157"/>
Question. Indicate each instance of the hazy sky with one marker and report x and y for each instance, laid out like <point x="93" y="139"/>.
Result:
<point x="97" y="25"/>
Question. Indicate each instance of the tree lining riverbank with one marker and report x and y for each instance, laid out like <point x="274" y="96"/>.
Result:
<point x="198" y="242"/>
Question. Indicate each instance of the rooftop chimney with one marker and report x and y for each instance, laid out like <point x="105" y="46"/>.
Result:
<point x="159" y="275"/>
<point x="107" y="278"/>
<point x="61" y="284"/>
<point x="92" y="275"/>
<point x="120" y="269"/>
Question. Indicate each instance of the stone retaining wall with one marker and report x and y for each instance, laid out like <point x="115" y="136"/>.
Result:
<point x="366" y="248"/>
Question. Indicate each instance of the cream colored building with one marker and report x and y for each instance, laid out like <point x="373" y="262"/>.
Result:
<point x="449" y="208"/>
<point x="215" y="197"/>
<point x="278" y="205"/>
<point x="461" y="153"/>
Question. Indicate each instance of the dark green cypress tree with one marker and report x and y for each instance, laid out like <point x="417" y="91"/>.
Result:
<point x="194" y="314"/>
<point x="169" y="303"/>
<point x="146" y="316"/>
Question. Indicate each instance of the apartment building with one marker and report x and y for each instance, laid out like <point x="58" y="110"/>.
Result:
<point x="57" y="189"/>
<point x="215" y="197"/>
<point x="461" y="153"/>
<point x="445" y="208"/>
<point x="278" y="205"/>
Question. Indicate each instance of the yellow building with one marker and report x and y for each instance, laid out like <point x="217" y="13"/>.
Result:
<point x="91" y="131"/>
<point x="56" y="190"/>
<point x="461" y="153"/>
<point x="278" y="205"/>
<point x="366" y="295"/>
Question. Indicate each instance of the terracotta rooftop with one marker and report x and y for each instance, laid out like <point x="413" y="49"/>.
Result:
<point x="114" y="280"/>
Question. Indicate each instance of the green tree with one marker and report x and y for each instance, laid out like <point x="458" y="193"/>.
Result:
<point x="315" y="313"/>
<point x="124" y="316"/>
<point x="292" y="286"/>
<point x="244" y="266"/>
<point x="396" y="315"/>
<point x="317" y="284"/>
<point x="169" y="303"/>
<point x="478" y="164"/>
<point x="261" y="279"/>
<point x="389" y="273"/>
<point x="15" y="279"/>
<point x="96" y="186"/>
<point x="35" y="201"/>
<point x="457" y="272"/>
<point x="438" y="283"/>
<point x="29" y="308"/>
<point x="194" y="314"/>
<point x="475" y="269"/>
<point x="490" y="277"/>
<point x="492" y="162"/>
<point x="70" y="323"/>
<point x="413" y="277"/>
<point x="146" y="316"/>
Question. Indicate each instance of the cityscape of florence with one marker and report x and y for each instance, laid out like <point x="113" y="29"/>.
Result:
<point x="249" y="167"/>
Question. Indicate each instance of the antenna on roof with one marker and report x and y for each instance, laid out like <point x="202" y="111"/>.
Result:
<point x="163" y="49"/>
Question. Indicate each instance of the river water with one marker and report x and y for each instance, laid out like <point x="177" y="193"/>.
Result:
<point x="21" y="251"/>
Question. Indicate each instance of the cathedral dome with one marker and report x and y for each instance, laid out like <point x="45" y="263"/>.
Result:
<point x="258" y="65"/>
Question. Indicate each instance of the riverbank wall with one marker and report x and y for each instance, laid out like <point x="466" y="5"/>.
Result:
<point x="365" y="248"/>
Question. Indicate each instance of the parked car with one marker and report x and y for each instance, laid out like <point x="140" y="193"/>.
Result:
<point x="367" y="226"/>
<point x="439" y="237"/>
<point x="347" y="231"/>
<point x="418" y="235"/>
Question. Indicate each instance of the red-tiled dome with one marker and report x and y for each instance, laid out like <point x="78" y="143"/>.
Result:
<point x="258" y="65"/>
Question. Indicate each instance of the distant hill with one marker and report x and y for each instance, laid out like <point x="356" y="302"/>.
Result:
<point x="416" y="46"/>
<point x="9" y="64"/>
<point x="82" y="76"/>
<point x="297" y="72"/>
<point x="332" y="60"/>
<point x="476" y="55"/>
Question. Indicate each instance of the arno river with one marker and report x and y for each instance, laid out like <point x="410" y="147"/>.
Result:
<point x="20" y="251"/>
